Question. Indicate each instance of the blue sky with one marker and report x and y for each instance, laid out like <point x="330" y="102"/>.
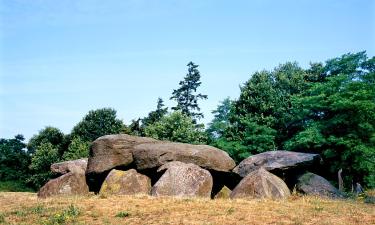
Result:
<point x="61" y="58"/>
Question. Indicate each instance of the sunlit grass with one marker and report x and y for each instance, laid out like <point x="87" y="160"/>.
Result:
<point x="25" y="208"/>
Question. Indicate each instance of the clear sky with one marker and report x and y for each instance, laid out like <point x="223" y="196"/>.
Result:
<point x="61" y="58"/>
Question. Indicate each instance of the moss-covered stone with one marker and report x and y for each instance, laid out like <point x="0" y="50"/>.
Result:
<point x="224" y="193"/>
<point x="128" y="182"/>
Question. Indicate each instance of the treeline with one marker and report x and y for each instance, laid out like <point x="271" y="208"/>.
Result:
<point x="328" y="108"/>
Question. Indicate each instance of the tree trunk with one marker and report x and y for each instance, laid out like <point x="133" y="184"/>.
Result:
<point x="341" y="183"/>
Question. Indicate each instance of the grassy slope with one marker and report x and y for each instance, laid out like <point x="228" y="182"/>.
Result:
<point x="25" y="208"/>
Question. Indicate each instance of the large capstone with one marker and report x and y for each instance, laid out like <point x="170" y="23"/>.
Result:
<point x="277" y="162"/>
<point x="156" y="154"/>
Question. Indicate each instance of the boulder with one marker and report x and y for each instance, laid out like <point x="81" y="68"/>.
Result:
<point x="276" y="162"/>
<point x="312" y="184"/>
<point x="67" y="184"/>
<point x="156" y="154"/>
<point x="183" y="180"/>
<point x="261" y="184"/>
<point x="75" y="166"/>
<point x="224" y="193"/>
<point x="111" y="151"/>
<point x="128" y="182"/>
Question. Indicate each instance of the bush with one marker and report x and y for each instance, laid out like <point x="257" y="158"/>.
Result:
<point x="45" y="155"/>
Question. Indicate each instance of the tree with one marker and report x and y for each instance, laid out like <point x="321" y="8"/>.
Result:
<point x="45" y="155"/>
<point x="338" y="118"/>
<point x="220" y="121"/>
<point x="177" y="127"/>
<point x="47" y="135"/>
<point x="187" y="100"/>
<point x="77" y="149"/>
<point x="155" y="116"/>
<point x="260" y="120"/>
<point x="96" y="124"/>
<point x="14" y="159"/>
<point x="136" y="128"/>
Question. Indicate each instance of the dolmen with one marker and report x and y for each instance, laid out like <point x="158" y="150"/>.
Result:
<point x="130" y="165"/>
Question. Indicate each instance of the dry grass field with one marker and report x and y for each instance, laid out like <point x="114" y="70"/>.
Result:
<point x="26" y="208"/>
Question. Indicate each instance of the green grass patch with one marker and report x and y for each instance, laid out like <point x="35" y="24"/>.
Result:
<point x="67" y="216"/>
<point x="122" y="214"/>
<point x="14" y="186"/>
<point x="2" y="218"/>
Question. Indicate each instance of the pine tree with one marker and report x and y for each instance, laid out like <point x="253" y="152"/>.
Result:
<point x="187" y="100"/>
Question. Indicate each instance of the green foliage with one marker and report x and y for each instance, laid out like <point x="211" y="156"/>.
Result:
<point x="45" y="155"/>
<point x="177" y="127"/>
<point x="98" y="123"/>
<point x="338" y="118"/>
<point x="137" y="127"/>
<point x="220" y="122"/>
<point x="260" y="120"/>
<point x="14" y="160"/>
<point x="77" y="149"/>
<point x="155" y="116"/>
<point x="187" y="100"/>
<point x="47" y="135"/>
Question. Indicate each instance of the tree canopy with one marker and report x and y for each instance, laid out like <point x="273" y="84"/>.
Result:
<point x="177" y="127"/>
<point x="14" y="159"/>
<point x="98" y="123"/>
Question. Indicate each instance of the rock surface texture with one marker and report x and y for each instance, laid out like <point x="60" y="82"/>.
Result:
<point x="111" y="151"/>
<point x="154" y="155"/>
<point x="183" y="180"/>
<point x="67" y="184"/>
<point x="75" y="166"/>
<point x="312" y="184"/>
<point x="125" y="183"/>
<point x="261" y="184"/>
<point x="274" y="161"/>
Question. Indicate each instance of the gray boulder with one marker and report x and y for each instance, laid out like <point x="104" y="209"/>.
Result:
<point x="276" y="162"/>
<point x="312" y="184"/>
<point x="75" y="166"/>
<point x="67" y="184"/>
<point x="183" y="180"/>
<point x="261" y="184"/>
